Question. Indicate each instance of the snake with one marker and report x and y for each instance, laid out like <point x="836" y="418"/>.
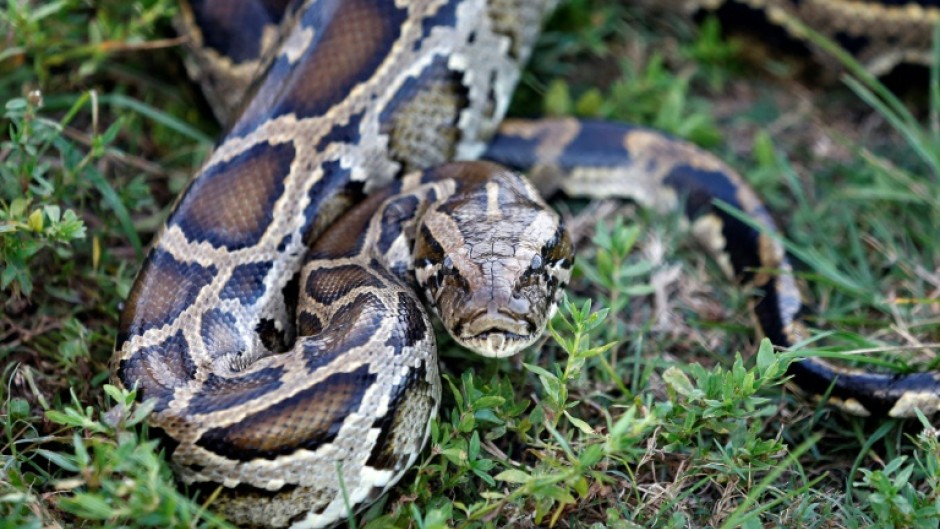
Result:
<point x="280" y="323"/>
<point x="880" y="34"/>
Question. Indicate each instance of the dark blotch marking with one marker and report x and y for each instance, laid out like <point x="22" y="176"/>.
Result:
<point x="414" y="325"/>
<point x="351" y="38"/>
<point x="308" y="324"/>
<point x="422" y="262"/>
<point x="394" y="215"/>
<point x="515" y="152"/>
<point x="305" y="420"/>
<point x="767" y="311"/>
<point x="430" y="248"/>
<point x="328" y="285"/>
<point x="271" y="337"/>
<point x="701" y="189"/>
<point x="276" y="8"/>
<point x="159" y="369"/>
<point x="247" y="282"/>
<point x="597" y="144"/>
<point x="167" y="442"/>
<point x="234" y="28"/>
<point x="291" y="292"/>
<point x="435" y="281"/>
<point x="446" y="16"/>
<point x="383" y="455"/>
<point x="231" y="204"/>
<point x="755" y="20"/>
<point x="558" y="248"/>
<point x="345" y="237"/>
<point x="877" y="392"/>
<point x="221" y="393"/>
<point x="163" y="289"/>
<point x="852" y="43"/>
<point x="422" y="133"/>
<point x="347" y="133"/>
<point x="330" y="197"/>
<point x="204" y="490"/>
<point x="281" y="246"/>
<point x="219" y="333"/>
<point x="353" y="325"/>
<point x="411" y="328"/>
<point x="392" y="276"/>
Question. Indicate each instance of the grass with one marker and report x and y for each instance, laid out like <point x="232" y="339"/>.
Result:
<point x="638" y="412"/>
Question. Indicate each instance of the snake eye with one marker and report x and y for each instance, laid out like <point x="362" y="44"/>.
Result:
<point x="448" y="265"/>
<point x="536" y="263"/>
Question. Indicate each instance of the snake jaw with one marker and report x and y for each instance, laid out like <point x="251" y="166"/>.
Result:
<point x="497" y="344"/>
<point x="496" y="333"/>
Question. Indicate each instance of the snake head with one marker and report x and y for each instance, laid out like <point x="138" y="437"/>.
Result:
<point x="492" y="262"/>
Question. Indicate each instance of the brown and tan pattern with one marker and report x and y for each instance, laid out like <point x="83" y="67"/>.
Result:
<point x="881" y="34"/>
<point x="279" y="411"/>
<point x="278" y="320"/>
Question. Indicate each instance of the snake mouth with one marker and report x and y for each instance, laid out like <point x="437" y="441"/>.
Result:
<point x="496" y="335"/>
<point x="496" y="321"/>
<point x="497" y="344"/>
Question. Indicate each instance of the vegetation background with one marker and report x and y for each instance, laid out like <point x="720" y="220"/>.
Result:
<point x="638" y="412"/>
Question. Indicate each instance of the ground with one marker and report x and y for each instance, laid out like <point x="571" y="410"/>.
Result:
<point x="664" y="426"/>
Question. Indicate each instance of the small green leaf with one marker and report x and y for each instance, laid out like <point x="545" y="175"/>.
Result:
<point x="53" y="212"/>
<point x="766" y="359"/>
<point x="18" y="207"/>
<point x="141" y="412"/>
<point x="579" y="424"/>
<point x="15" y="104"/>
<point x="473" y="450"/>
<point x="62" y="461"/>
<point x="513" y="476"/>
<point x="115" y="393"/>
<point x="89" y="506"/>
<point x="19" y="408"/>
<point x="467" y="423"/>
<point x="763" y="150"/>
<point x="557" y="101"/>
<point x="488" y="401"/>
<point x="679" y="382"/>
<point x="590" y="103"/>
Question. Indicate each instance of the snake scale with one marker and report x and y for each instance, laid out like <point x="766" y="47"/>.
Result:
<point x="278" y="320"/>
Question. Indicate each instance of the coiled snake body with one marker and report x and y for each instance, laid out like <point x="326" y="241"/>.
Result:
<point x="316" y="199"/>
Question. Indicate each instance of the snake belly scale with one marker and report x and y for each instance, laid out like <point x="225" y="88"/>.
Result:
<point x="278" y="321"/>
